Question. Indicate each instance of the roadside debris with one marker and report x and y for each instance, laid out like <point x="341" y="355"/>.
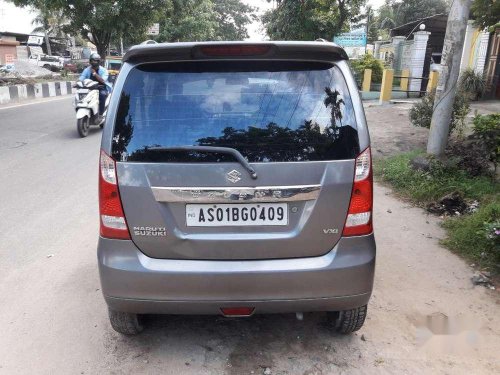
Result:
<point x="452" y="204"/>
<point x="267" y="371"/>
<point x="482" y="278"/>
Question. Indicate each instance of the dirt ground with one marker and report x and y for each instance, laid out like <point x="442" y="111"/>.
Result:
<point x="391" y="131"/>
<point x="425" y="316"/>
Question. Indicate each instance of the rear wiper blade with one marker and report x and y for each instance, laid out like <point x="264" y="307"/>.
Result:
<point x="218" y="150"/>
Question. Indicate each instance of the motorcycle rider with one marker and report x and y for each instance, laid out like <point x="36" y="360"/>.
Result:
<point x="98" y="73"/>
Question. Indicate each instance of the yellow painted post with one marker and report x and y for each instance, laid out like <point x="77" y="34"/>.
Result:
<point x="367" y="80"/>
<point x="403" y="85"/>
<point x="433" y="81"/>
<point x="386" y="89"/>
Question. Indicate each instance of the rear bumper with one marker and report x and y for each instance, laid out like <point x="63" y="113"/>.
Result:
<point x="339" y="280"/>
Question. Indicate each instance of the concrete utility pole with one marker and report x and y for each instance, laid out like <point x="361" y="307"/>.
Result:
<point x="446" y="89"/>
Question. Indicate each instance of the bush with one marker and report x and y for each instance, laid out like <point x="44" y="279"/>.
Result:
<point x="487" y="133"/>
<point x="470" y="155"/>
<point x="424" y="187"/>
<point x="368" y="62"/>
<point x="421" y="112"/>
<point x="476" y="236"/>
<point x="472" y="83"/>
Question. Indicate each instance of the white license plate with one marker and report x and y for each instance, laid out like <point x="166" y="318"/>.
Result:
<point x="82" y="91"/>
<point x="243" y="214"/>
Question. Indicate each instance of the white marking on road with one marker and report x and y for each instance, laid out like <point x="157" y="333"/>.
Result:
<point x="37" y="102"/>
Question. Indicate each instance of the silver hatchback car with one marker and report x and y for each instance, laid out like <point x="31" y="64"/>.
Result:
<point x="236" y="179"/>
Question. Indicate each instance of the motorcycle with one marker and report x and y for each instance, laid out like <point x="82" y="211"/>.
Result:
<point x="87" y="106"/>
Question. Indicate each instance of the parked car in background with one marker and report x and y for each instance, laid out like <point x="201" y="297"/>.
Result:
<point x="236" y="179"/>
<point x="70" y="67"/>
<point x="52" y="63"/>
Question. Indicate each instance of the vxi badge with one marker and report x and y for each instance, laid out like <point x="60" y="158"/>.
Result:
<point x="330" y="231"/>
<point x="150" y="231"/>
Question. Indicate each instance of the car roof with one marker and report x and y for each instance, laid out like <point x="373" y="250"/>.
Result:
<point x="278" y="50"/>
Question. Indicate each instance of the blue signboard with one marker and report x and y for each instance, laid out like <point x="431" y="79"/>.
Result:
<point x="351" y="40"/>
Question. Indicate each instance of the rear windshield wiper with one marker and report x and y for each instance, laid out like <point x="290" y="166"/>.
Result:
<point x="218" y="150"/>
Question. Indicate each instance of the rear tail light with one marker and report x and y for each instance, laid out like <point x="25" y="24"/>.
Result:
<point x="359" y="216"/>
<point x="112" y="218"/>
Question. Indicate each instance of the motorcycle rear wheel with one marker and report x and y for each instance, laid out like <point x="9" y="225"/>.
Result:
<point x="83" y="125"/>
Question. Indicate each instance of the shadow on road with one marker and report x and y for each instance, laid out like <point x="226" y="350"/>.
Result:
<point x="72" y="133"/>
<point x="239" y="345"/>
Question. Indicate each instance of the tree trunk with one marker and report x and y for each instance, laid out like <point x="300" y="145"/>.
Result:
<point x="446" y="89"/>
<point x="47" y="43"/>
<point x="102" y="49"/>
<point x="101" y="41"/>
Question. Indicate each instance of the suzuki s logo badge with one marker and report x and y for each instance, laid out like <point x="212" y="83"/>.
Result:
<point x="234" y="176"/>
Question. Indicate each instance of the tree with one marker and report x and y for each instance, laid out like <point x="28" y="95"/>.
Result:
<point x="311" y="19"/>
<point x="486" y="12"/>
<point x="395" y="13"/>
<point x="196" y="20"/>
<point x="99" y="21"/>
<point x="50" y="23"/>
<point x="232" y="18"/>
<point x="408" y="11"/>
<point x="188" y="20"/>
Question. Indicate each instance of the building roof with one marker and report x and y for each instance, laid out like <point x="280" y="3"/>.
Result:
<point x="435" y="24"/>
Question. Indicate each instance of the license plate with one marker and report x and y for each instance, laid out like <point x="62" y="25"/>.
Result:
<point x="82" y="91"/>
<point x="224" y="215"/>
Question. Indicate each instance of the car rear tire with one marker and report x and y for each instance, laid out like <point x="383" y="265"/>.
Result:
<point x="82" y="125"/>
<point x="349" y="321"/>
<point x="125" y="323"/>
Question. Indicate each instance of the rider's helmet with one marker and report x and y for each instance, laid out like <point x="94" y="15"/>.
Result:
<point x="95" y="60"/>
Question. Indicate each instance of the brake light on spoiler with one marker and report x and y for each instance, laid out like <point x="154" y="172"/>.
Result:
<point x="233" y="50"/>
<point x="112" y="218"/>
<point x="359" y="216"/>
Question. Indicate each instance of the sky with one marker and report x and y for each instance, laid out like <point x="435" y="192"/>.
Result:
<point x="19" y="20"/>
<point x="15" y="19"/>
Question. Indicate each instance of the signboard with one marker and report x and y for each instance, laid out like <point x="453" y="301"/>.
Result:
<point x="35" y="40"/>
<point x="354" y="43"/>
<point x="351" y="40"/>
<point x="154" y="29"/>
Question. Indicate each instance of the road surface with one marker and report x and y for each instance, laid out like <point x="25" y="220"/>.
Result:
<point x="53" y="319"/>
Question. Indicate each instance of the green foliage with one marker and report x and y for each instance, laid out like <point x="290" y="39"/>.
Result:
<point x="421" y="112"/>
<point x="188" y="20"/>
<point x="368" y="62"/>
<point x="310" y="19"/>
<point x="423" y="187"/>
<point x="487" y="131"/>
<point x="232" y="18"/>
<point x="199" y="20"/>
<point x="485" y="12"/>
<point x="472" y="82"/>
<point x="98" y="21"/>
<point x="396" y="13"/>
<point x="477" y="236"/>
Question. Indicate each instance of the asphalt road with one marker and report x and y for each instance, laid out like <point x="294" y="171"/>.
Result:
<point x="53" y="319"/>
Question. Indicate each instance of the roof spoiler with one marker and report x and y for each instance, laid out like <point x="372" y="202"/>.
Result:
<point x="320" y="50"/>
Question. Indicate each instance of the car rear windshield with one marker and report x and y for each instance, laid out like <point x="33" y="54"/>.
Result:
<point x="270" y="111"/>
